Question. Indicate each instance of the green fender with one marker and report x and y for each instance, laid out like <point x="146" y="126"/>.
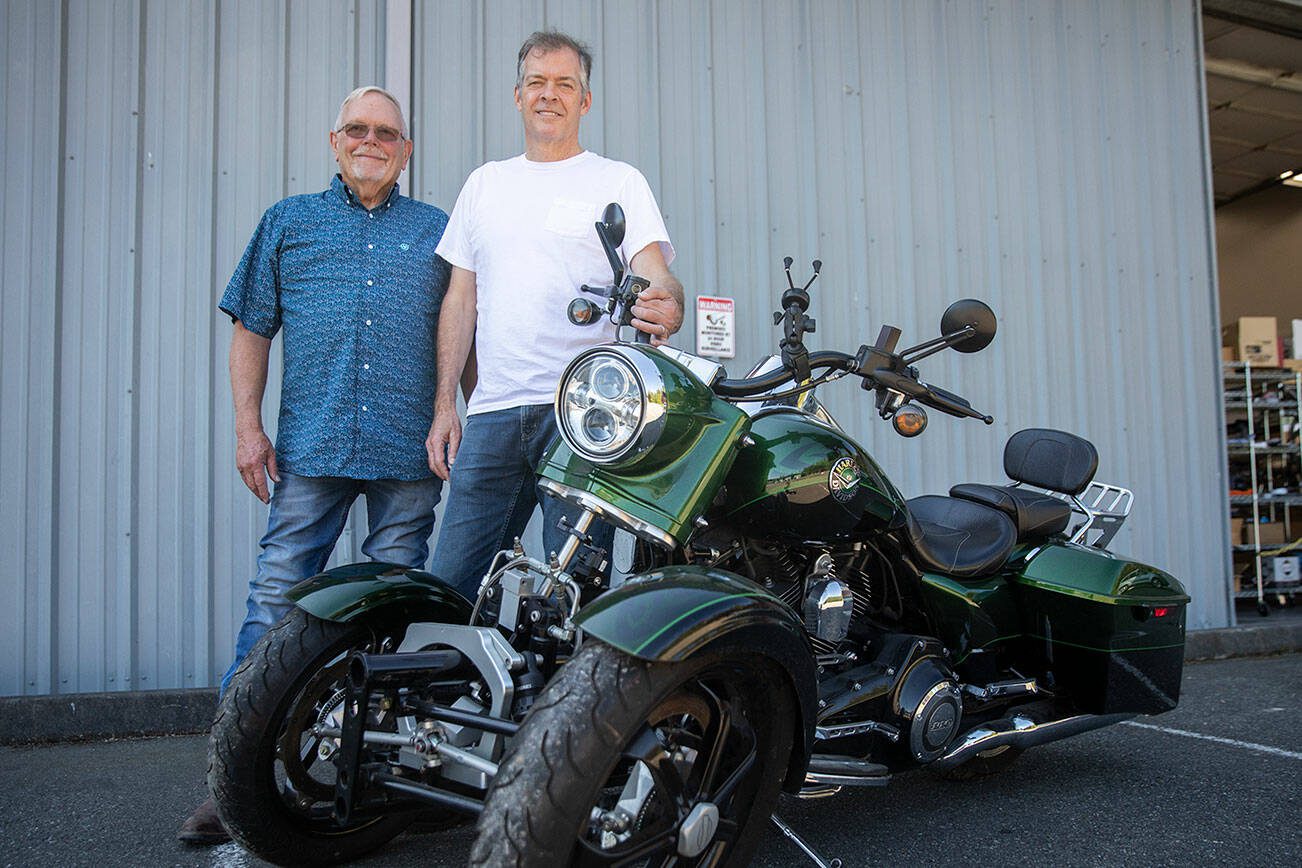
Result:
<point x="349" y="592"/>
<point x="671" y="613"/>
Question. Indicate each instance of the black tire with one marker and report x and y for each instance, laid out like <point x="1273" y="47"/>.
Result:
<point x="983" y="765"/>
<point x="573" y="756"/>
<point x="279" y="803"/>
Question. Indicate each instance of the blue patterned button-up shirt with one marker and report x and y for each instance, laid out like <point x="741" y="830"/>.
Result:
<point x="356" y="295"/>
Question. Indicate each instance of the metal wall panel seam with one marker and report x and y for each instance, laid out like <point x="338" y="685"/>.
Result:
<point x="215" y="321"/>
<point x="132" y="541"/>
<point x="1209" y="218"/>
<point x="56" y="429"/>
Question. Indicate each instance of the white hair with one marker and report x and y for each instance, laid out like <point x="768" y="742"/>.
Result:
<point x="363" y="91"/>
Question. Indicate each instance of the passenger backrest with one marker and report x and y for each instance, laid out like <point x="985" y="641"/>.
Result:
<point x="1051" y="459"/>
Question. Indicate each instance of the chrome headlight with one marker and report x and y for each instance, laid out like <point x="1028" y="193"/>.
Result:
<point x="610" y="404"/>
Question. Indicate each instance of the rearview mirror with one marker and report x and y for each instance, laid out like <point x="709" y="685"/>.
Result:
<point x="611" y="232"/>
<point x="970" y="312"/>
<point x="612" y="222"/>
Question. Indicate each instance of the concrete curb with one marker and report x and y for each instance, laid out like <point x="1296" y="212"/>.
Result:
<point x="90" y="716"/>
<point x="87" y="716"/>
<point x="1244" y="641"/>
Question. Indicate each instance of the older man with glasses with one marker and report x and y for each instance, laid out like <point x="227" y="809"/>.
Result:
<point x="350" y="279"/>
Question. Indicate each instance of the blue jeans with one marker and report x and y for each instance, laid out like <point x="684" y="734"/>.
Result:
<point x="493" y="494"/>
<point x="307" y="516"/>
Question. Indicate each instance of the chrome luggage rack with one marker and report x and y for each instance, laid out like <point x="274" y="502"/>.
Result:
<point x="1100" y="509"/>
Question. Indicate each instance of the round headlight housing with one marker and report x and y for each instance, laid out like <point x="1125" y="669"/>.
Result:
<point x="602" y="405"/>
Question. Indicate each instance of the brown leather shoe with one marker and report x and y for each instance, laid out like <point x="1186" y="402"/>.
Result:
<point x="204" y="828"/>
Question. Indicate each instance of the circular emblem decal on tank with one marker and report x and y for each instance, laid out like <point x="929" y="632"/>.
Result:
<point x="844" y="478"/>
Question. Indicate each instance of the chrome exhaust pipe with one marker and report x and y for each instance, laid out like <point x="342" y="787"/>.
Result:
<point x="1021" y="732"/>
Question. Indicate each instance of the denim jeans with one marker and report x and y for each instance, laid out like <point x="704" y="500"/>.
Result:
<point x="494" y="489"/>
<point x="307" y="516"/>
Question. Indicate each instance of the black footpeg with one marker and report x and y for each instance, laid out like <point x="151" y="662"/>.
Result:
<point x="845" y="771"/>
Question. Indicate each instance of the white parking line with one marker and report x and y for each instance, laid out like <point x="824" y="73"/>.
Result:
<point x="1247" y="745"/>
<point x="230" y="855"/>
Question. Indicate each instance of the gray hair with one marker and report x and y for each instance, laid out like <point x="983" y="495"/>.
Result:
<point x="550" y="40"/>
<point x="363" y="91"/>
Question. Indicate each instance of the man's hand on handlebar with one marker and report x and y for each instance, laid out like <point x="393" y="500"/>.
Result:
<point x="657" y="313"/>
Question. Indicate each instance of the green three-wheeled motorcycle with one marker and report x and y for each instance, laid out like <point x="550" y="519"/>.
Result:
<point x="792" y="622"/>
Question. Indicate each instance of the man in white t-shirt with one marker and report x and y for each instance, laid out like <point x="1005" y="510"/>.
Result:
<point x="521" y="242"/>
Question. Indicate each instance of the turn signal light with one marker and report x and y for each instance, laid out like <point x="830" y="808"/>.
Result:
<point x="909" y="420"/>
<point x="1161" y="611"/>
<point x="583" y="312"/>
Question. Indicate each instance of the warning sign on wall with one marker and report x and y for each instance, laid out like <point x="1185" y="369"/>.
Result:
<point x="716" y="332"/>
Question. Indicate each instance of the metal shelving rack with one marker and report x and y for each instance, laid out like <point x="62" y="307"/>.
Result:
<point x="1277" y="504"/>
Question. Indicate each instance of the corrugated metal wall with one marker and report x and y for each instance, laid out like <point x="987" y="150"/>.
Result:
<point x="1045" y="156"/>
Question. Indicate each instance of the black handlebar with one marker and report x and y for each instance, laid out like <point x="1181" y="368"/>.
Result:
<point x="906" y="384"/>
<point x="746" y="387"/>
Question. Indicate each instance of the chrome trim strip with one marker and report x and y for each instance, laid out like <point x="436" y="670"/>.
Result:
<point x="1022" y="732"/>
<point x="703" y="369"/>
<point x="610" y="513"/>
<point x="832" y="780"/>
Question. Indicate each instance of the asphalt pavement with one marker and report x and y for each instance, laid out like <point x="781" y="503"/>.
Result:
<point x="1217" y="781"/>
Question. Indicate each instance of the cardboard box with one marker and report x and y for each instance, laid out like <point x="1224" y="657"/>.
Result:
<point x="1293" y="364"/>
<point x="1270" y="533"/>
<point x="1236" y="531"/>
<point x="1229" y="355"/>
<point x="1257" y="339"/>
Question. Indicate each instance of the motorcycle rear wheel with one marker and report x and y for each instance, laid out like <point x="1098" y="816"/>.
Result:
<point x="273" y="791"/>
<point x="621" y="757"/>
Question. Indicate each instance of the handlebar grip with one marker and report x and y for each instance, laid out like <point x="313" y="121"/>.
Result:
<point x="899" y="382"/>
<point x="954" y="405"/>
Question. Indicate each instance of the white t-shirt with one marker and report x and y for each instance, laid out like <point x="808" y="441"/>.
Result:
<point x="527" y="231"/>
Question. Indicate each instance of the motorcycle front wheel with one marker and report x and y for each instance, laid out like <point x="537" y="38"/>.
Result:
<point x="628" y="762"/>
<point x="271" y="778"/>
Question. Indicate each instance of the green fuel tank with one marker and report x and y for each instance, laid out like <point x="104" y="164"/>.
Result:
<point x="802" y="480"/>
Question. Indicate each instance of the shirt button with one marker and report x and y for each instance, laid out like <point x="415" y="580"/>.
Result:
<point x="370" y="283"/>
<point x="363" y="408"/>
<point x="368" y="322"/>
<point x="370" y="247"/>
<point x="366" y="367"/>
<point x="372" y="216"/>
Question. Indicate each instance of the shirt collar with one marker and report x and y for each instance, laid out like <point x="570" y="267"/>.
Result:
<point x="346" y="195"/>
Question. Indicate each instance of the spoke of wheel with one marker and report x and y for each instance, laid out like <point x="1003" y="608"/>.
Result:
<point x="660" y="842"/>
<point x="727" y="829"/>
<point x="716" y="857"/>
<point x="722" y="725"/>
<point x="647" y="748"/>
<point x="308" y="755"/>
<point x="721" y="795"/>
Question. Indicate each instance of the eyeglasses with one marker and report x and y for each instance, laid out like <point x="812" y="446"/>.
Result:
<point x="388" y="135"/>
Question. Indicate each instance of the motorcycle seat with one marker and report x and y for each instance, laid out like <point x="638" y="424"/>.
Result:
<point x="1037" y="516"/>
<point x="960" y="538"/>
<point x="1047" y="459"/>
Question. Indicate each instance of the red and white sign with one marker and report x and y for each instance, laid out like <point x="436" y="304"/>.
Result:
<point x="716" y="329"/>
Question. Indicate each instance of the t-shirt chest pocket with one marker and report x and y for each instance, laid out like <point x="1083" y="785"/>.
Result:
<point x="572" y="218"/>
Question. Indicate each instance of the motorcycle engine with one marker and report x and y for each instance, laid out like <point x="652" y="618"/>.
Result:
<point x="930" y="705"/>
<point x="829" y="589"/>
